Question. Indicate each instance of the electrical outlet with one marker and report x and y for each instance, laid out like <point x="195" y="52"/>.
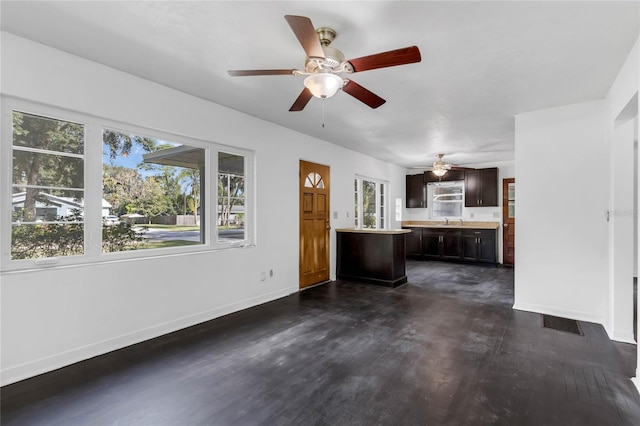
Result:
<point x="496" y="215"/>
<point x="335" y="215"/>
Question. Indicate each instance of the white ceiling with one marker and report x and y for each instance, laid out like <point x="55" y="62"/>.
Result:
<point x="482" y="62"/>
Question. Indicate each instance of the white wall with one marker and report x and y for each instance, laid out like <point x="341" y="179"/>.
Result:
<point x="622" y="113"/>
<point x="569" y="256"/>
<point x="56" y="316"/>
<point x="561" y="248"/>
<point x="619" y="322"/>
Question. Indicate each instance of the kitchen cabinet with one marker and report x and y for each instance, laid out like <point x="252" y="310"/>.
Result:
<point x="479" y="245"/>
<point x="481" y="187"/>
<point x="441" y="243"/>
<point x="371" y="256"/>
<point x="414" y="242"/>
<point x="452" y="243"/>
<point x="416" y="192"/>
<point x="451" y="175"/>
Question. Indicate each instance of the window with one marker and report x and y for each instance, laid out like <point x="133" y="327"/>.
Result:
<point x="398" y="209"/>
<point x="81" y="190"/>
<point x="446" y="199"/>
<point x="314" y="180"/>
<point x="231" y="197"/>
<point x="47" y="187"/>
<point x="370" y="203"/>
<point x="153" y="188"/>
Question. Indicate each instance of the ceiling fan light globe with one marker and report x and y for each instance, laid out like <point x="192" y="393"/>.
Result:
<point x="439" y="172"/>
<point x="323" y="85"/>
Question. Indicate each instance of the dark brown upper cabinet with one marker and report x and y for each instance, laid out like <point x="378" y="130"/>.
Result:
<point x="416" y="192"/>
<point x="481" y="187"/>
<point x="449" y="176"/>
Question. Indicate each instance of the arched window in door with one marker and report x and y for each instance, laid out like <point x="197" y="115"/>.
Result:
<point x="314" y="180"/>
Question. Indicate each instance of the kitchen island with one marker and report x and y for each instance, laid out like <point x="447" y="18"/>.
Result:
<point x="372" y="256"/>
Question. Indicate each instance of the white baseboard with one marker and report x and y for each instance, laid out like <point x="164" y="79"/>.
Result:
<point x="33" y="368"/>
<point x="623" y="337"/>
<point x="636" y="381"/>
<point x="558" y="312"/>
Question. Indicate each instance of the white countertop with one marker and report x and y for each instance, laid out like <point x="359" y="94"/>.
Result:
<point x="454" y="224"/>
<point x="375" y="231"/>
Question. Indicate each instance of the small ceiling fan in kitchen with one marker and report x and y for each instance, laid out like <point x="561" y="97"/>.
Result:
<point x="441" y="167"/>
<point x="325" y="65"/>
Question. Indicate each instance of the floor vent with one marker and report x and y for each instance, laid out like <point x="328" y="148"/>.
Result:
<point x="561" y="324"/>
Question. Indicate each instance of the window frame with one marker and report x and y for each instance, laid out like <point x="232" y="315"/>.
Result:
<point x="431" y="202"/>
<point x="93" y="189"/>
<point x="359" y="212"/>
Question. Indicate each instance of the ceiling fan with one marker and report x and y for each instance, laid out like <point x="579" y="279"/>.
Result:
<point x="441" y="167"/>
<point x="324" y="65"/>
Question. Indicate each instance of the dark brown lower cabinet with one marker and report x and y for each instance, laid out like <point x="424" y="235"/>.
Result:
<point x="371" y="257"/>
<point x="479" y="245"/>
<point x="414" y="242"/>
<point x="462" y="244"/>
<point x="441" y="243"/>
<point x="431" y="246"/>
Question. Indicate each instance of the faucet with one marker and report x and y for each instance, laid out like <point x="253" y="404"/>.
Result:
<point x="446" y="220"/>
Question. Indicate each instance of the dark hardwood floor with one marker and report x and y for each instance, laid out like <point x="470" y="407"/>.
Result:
<point x="445" y="349"/>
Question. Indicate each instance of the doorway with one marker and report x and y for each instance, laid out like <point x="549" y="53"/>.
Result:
<point x="314" y="223"/>
<point x="509" y="221"/>
<point x="623" y="227"/>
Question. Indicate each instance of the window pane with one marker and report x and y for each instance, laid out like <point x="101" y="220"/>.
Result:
<point x="47" y="193"/>
<point x="33" y="131"/>
<point x="231" y="197"/>
<point x="369" y="204"/>
<point x="356" y="204"/>
<point x="40" y="205"/>
<point x="54" y="170"/>
<point x="151" y="192"/>
<point x="398" y="209"/>
<point x="37" y="240"/>
<point x="314" y="180"/>
<point x="447" y="199"/>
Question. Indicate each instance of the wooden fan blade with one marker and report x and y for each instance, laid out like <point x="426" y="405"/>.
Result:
<point x="307" y="36"/>
<point x="245" y="73"/>
<point x="302" y="101"/>
<point x="362" y="94"/>
<point x="406" y="55"/>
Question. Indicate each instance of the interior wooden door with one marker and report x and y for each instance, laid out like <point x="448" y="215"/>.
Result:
<point x="508" y="221"/>
<point x="314" y="223"/>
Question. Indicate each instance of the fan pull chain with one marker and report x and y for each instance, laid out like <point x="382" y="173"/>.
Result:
<point x="323" y="99"/>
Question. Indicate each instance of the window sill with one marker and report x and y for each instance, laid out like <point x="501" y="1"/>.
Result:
<point x="31" y="265"/>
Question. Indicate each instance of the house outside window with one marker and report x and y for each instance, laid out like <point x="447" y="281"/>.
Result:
<point x="47" y="187"/>
<point x="370" y="203"/>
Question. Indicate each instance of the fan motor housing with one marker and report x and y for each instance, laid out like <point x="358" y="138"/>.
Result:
<point x="333" y="59"/>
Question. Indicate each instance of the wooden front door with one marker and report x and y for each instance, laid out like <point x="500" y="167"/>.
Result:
<point x="314" y="224"/>
<point x="508" y="221"/>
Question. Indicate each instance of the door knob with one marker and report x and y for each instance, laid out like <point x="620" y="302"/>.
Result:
<point x="505" y="225"/>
